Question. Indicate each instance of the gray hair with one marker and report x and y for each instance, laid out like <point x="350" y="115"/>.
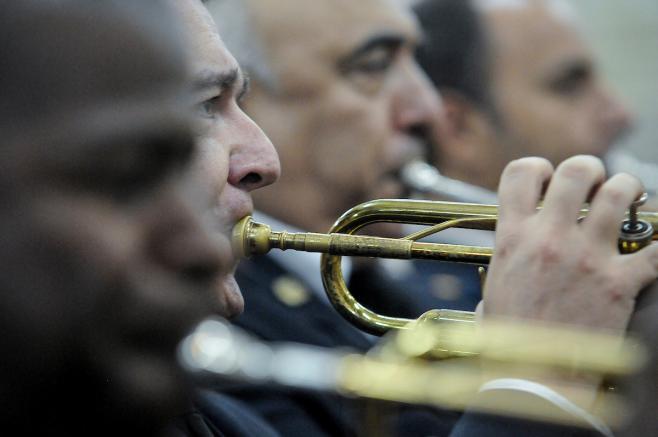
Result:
<point x="234" y="23"/>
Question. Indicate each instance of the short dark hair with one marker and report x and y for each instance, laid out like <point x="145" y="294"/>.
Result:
<point x="454" y="52"/>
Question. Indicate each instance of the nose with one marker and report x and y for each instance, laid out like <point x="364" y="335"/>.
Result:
<point x="253" y="160"/>
<point x="615" y="118"/>
<point x="417" y="103"/>
<point x="178" y="242"/>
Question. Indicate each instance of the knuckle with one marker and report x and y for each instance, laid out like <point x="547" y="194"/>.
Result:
<point x="631" y="182"/>
<point x="587" y="264"/>
<point x="506" y="244"/>
<point x="614" y="284"/>
<point x="615" y="195"/>
<point x="549" y="250"/>
<point x="532" y="165"/>
<point x="620" y="292"/>
<point x="580" y="167"/>
<point x="615" y="294"/>
<point x="583" y="159"/>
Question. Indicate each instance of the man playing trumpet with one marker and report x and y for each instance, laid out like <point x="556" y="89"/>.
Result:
<point x="107" y="270"/>
<point x="319" y="117"/>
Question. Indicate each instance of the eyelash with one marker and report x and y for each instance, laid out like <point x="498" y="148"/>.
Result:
<point x="571" y="83"/>
<point x="374" y="65"/>
<point x="377" y="62"/>
<point x="207" y="108"/>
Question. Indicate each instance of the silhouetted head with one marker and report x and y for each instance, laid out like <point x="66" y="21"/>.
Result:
<point x="105" y="266"/>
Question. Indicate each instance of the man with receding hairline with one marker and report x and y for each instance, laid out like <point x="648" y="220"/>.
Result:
<point x="517" y="79"/>
<point x="343" y="108"/>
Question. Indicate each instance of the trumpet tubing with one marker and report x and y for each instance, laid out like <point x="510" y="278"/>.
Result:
<point x="251" y="238"/>
<point x="426" y="180"/>
<point x="216" y="353"/>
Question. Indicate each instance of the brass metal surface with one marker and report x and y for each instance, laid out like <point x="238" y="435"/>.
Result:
<point x="251" y="238"/>
<point x="217" y="353"/>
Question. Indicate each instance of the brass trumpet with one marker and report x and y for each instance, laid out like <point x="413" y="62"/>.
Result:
<point x="216" y="353"/>
<point x="251" y="238"/>
<point x="427" y="180"/>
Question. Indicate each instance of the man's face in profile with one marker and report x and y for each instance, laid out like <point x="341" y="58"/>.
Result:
<point x="346" y="95"/>
<point x="234" y="156"/>
<point x="106" y="266"/>
<point x="546" y="86"/>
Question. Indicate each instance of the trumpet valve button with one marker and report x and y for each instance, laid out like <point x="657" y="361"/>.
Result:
<point x="634" y="235"/>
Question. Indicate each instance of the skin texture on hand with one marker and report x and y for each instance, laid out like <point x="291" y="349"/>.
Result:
<point x="549" y="266"/>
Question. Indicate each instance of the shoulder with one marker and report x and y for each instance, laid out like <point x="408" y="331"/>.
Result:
<point x="231" y="416"/>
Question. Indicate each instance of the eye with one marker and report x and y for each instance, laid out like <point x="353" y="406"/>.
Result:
<point x="208" y="108"/>
<point x="377" y="61"/>
<point x="374" y="62"/>
<point x="368" y="71"/>
<point x="571" y="82"/>
<point x="131" y="168"/>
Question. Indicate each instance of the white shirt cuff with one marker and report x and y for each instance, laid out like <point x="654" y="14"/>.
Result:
<point x="551" y="396"/>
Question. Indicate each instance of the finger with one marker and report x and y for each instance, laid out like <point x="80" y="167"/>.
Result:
<point x="642" y="267"/>
<point x="521" y="186"/>
<point x="608" y="208"/>
<point x="572" y="182"/>
<point x="479" y="311"/>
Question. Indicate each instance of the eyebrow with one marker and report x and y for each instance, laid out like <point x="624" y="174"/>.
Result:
<point x="223" y="80"/>
<point x="390" y="41"/>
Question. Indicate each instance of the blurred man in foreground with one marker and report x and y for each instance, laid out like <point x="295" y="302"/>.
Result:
<point x="105" y="267"/>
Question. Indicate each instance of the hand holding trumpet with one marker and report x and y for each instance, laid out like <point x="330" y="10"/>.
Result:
<point x="549" y="265"/>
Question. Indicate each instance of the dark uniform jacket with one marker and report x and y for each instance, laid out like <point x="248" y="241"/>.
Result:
<point x="273" y="315"/>
<point x="281" y="308"/>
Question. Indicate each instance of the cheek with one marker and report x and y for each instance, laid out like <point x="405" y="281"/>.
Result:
<point x="559" y="132"/>
<point x="68" y="275"/>
<point x="210" y="170"/>
<point x="354" y="138"/>
<point x="542" y="126"/>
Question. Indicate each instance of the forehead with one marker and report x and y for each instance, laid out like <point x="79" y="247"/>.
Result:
<point x="304" y="30"/>
<point x="206" y="50"/>
<point x="534" y="39"/>
<point x="73" y="108"/>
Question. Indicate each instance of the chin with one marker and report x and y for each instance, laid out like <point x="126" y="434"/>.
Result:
<point x="142" y="392"/>
<point x="230" y="297"/>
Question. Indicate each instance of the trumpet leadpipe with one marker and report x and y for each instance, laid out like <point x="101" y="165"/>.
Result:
<point x="252" y="238"/>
